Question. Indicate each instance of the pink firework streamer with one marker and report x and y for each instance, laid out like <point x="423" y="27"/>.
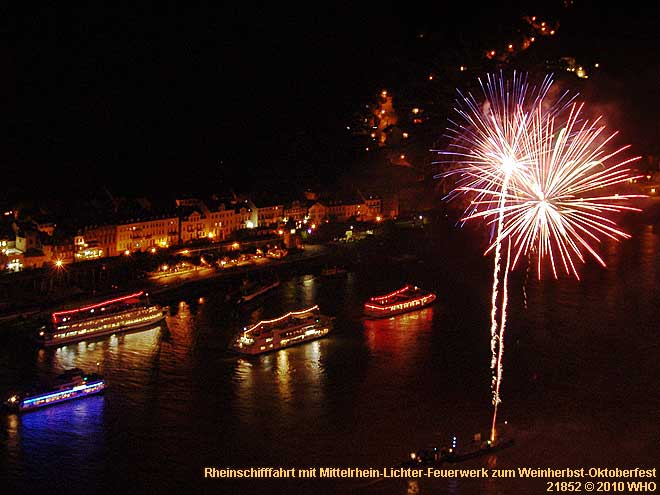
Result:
<point x="538" y="188"/>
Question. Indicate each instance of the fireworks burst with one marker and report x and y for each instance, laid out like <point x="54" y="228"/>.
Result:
<point x="541" y="190"/>
<point x="556" y="205"/>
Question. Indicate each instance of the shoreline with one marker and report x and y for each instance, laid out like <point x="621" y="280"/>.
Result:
<point x="176" y="283"/>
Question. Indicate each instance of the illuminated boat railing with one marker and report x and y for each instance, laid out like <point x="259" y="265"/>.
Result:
<point x="104" y="324"/>
<point x="380" y="299"/>
<point x="65" y="315"/>
<point x="292" y="314"/>
<point x="408" y="297"/>
<point x="62" y="395"/>
<point x="420" y="301"/>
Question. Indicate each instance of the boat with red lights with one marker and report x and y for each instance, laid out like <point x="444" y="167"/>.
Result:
<point x="72" y="384"/>
<point x="290" y="329"/>
<point x="408" y="298"/>
<point x="129" y="312"/>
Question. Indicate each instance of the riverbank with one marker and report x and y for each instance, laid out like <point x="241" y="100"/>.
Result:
<point x="162" y="288"/>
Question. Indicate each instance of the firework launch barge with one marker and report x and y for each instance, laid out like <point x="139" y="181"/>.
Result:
<point x="121" y="314"/>
<point x="434" y="456"/>
<point x="290" y="329"/>
<point x="72" y="384"/>
<point x="408" y="298"/>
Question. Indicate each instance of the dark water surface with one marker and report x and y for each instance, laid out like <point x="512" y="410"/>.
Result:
<point x="580" y="388"/>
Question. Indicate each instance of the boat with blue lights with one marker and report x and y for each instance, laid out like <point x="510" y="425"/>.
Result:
<point x="407" y="298"/>
<point x="290" y="329"/>
<point x="72" y="384"/>
<point x="120" y="314"/>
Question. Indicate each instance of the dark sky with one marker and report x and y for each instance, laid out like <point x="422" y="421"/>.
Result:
<point x="143" y="100"/>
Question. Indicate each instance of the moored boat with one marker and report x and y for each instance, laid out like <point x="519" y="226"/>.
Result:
<point x="290" y="329"/>
<point x="129" y="312"/>
<point x="72" y="384"/>
<point x="333" y="271"/>
<point x="408" y="298"/>
<point x="255" y="290"/>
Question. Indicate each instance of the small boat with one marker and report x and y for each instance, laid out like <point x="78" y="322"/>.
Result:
<point x="72" y="384"/>
<point x="333" y="271"/>
<point x="290" y="329"/>
<point x="253" y="291"/>
<point x="408" y="298"/>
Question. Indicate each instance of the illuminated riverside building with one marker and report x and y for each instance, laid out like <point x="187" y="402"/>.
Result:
<point x="215" y="221"/>
<point x="96" y="241"/>
<point x="296" y="211"/>
<point x="144" y="234"/>
<point x="212" y="219"/>
<point x="362" y="210"/>
<point x="269" y="215"/>
<point x="220" y="221"/>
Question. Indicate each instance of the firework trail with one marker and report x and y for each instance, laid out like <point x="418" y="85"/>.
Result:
<point x="491" y="145"/>
<point x="537" y="188"/>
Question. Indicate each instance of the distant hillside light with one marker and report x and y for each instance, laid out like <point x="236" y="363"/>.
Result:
<point x="415" y="110"/>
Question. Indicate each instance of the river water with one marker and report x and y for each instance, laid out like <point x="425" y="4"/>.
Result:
<point x="580" y="386"/>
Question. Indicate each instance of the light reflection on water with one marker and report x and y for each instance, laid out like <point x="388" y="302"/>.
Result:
<point x="364" y="395"/>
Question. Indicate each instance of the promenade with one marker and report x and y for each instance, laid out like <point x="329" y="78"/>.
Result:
<point x="160" y="287"/>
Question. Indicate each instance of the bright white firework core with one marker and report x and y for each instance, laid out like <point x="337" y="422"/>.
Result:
<point x="508" y="165"/>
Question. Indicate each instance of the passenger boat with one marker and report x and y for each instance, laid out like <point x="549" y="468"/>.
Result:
<point x="72" y="384"/>
<point x="407" y="298"/>
<point x="287" y="330"/>
<point x="124" y="313"/>
<point x="255" y="290"/>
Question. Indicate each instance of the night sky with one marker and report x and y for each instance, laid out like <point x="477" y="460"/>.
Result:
<point x="168" y="100"/>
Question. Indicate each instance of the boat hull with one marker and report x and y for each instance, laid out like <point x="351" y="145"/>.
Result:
<point x="52" y="341"/>
<point x="58" y="396"/>
<point x="257" y="351"/>
<point x="387" y="312"/>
